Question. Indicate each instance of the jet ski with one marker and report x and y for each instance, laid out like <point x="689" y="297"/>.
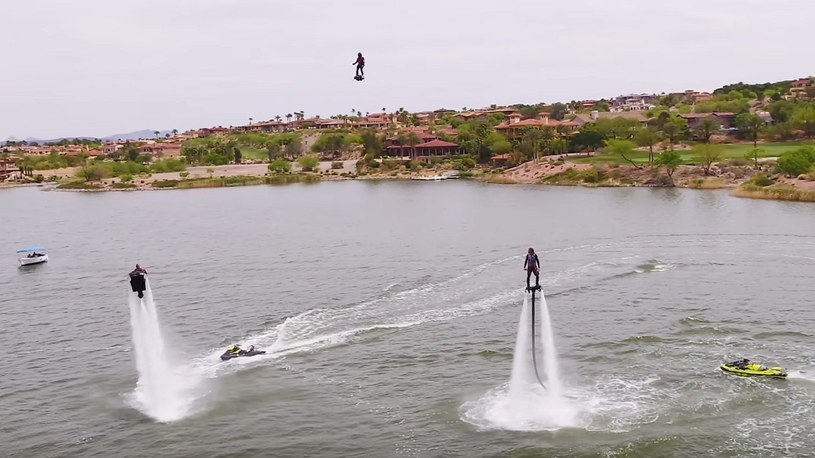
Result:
<point x="746" y="368"/>
<point x="233" y="351"/>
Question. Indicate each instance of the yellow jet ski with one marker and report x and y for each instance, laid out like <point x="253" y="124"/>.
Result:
<point x="749" y="369"/>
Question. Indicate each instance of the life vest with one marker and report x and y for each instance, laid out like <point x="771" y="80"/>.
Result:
<point x="531" y="261"/>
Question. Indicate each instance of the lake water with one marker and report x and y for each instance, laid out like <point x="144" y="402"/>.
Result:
<point x="390" y="312"/>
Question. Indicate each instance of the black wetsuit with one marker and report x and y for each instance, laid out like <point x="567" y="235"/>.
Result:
<point x="532" y="265"/>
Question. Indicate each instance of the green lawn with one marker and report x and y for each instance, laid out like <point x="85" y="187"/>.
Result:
<point x="249" y="153"/>
<point x="691" y="157"/>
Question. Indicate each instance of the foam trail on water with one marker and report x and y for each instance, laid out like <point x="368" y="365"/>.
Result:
<point x="162" y="391"/>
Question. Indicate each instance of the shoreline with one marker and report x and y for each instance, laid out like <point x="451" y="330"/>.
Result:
<point x="737" y="179"/>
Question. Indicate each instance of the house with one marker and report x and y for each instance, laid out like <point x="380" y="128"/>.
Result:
<point x="723" y="120"/>
<point x="435" y="148"/>
<point x="500" y="160"/>
<point x="161" y="150"/>
<point x="212" y="131"/>
<point x="7" y="169"/>
<point x="110" y="149"/>
<point x="633" y="102"/>
<point x="581" y="119"/>
<point x="515" y="126"/>
<point x="425" y="150"/>
<point x="802" y="89"/>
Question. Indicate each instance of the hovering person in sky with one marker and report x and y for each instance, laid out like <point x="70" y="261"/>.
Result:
<point x="360" y="63"/>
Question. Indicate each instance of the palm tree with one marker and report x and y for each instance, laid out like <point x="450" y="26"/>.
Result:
<point x="250" y="121"/>
<point x="359" y="114"/>
<point x="288" y="117"/>
<point x="413" y="140"/>
<point x="277" y="118"/>
<point x="175" y="132"/>
<point x="156" y="133"/>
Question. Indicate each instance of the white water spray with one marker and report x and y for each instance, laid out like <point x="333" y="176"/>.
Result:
<point x="161" y="392"/>
<point x="525" y="405"/>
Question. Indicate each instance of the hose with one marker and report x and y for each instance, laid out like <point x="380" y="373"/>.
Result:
<point x="534" y="347"/>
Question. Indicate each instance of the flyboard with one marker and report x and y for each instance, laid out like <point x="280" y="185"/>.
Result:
<point x="533" y="289"/>
<point x="359" y="78"/>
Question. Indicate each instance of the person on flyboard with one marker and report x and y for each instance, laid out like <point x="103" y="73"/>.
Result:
<point x="360" y="63"/>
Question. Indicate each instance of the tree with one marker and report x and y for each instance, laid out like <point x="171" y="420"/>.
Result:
<point x="294" y="148"/>
<point x="753" y="156"/>
<point x="371" y="143"/>
<point x="559" y="145"/>
<point x="130" y="151"/>
<point x="156" y="133"/>
<point x="804" y="119"/>
<point x="501" y="147"/>
<point x="175" y="132"/>
<point x="588" y="139"/>
<point x="307" y="162"/>
<point x="781" y="111"/>
<point x="288" y="117"/>
<point x="412" y="139"/>
<point x="238" y="155"/>
<point x="674" y="129"/>
<point x="706" y="128"/>
<point x="750" y="126"/>
<point x="602" y="105"/>
<point x="708" y="154"/>
<point x="622" y="148"/>
<point x="273" y="149"/>
<point x="558" y="110"/>
<point x="649" y="137"/>
<point x="670" y="160"/>
<point x="531" y="141"/>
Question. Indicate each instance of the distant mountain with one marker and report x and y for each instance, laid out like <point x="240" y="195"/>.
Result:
<point x="145" y="134"/>
<point x="137" y="135"/>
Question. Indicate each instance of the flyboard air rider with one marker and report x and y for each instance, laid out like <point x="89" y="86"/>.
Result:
<point x="532" y="266"/>
<point x="137" y="281"/>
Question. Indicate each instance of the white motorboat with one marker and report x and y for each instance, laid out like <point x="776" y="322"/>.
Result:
<point x="32" y="255"/>
<point x="433" y="178"/>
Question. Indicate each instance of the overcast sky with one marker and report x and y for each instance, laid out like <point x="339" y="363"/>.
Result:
<point x="102" y="67"/>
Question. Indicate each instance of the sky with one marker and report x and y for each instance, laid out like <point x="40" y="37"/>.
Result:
<point x="102" y="67"/>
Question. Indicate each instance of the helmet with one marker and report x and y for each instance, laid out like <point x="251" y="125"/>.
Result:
<point x="231" y="347"/>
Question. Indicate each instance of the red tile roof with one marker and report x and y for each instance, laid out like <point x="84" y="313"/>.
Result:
<point x="437" y="144"/>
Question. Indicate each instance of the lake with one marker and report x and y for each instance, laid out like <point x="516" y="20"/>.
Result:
<point x="390" y="311"/>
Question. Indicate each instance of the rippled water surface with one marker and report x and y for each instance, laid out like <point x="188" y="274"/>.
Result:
<point x="390" y="313"/>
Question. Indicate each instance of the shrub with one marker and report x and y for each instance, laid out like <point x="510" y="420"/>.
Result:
<point x="93" y="172"/>
<point x="390" y="164"/>
<point x="796" y="162"/>
<point x="165" y="183"/>
<point x="168" y="165"/>
<point x="374" y="164"/>
<point x="336" y="165"/>
<point x="184" y="174"/>
<point x="308" y="162"/>
<point x="464" y="163"/>
<point x="280" y="166"/>
<point x="760" y="180"/>
<point x="39" y="178"/>
<point x="126" y="178"/>
<point x="592" y="175"/>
